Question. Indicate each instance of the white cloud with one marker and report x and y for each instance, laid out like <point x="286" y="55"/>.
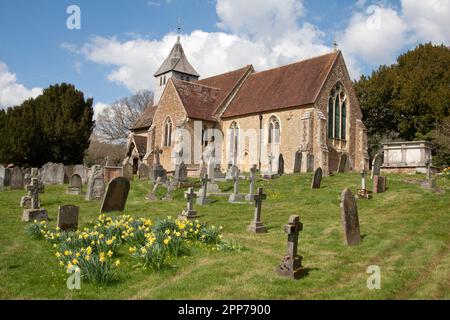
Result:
<point x="11" y="92"/>
<point x="99" y="107"/>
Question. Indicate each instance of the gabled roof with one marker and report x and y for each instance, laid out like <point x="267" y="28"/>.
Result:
<point x="198" y="100"/>
<point x="141" y="145"/>
<point x="177" y="61"/>
<point x="292" y="85"/>
<point x="146" y="118"/>
<point x="226" y="83"/>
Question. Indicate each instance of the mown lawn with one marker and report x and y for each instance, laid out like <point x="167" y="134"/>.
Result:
<point x="405" y="232"/>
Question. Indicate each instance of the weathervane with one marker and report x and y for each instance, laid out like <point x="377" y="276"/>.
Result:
<point x="335" y="45"/>
<point x="179" y="28"/>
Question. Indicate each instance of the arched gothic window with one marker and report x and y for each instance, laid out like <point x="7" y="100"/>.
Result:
<point x="168" y="133"/>
<point x="274" y="130"/>
<point x="337" y="113"/>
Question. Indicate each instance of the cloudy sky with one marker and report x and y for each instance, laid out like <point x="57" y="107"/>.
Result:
<point x="121" y="43"/>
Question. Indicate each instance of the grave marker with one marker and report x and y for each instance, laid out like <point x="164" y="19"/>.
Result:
<point x="291" y="265"/>
<point x="349" y="218"/>
<point x="256" y="226"/>
<point x="116" y="195"/>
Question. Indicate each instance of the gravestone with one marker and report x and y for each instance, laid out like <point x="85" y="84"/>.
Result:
<point x="96" y="184"/>
<point x="2" y="185"/>
<point x="291" y="265"/>
<point x="181" y="173"/>
<point x="2" y="172"/>
<point x="151" y="196"/>
<point x="189" y="213"/>
<point x="26" y="177"/>
<point x="169" y="196"/>
<point x="379" y="184"/>
<point x="157" y="169"/>
<point x="143" y="172"/>
<point x="7" y="180"/>
<point x="376" y="164"/>
<point x="127" y="171"/>
<point x="68" y="172"/>
<point x="349" y="218"/>
<point x="256" y="226"/>
<point x="68" y="218"/>
<point x="317" y="179"/>
<point x="52" y="173"/>
<point x="35" y="213"/>
<point x="25" y="201"/>
<point x="202" y="199"/>
<point x="82" y="171"/>
<point x="342" y="163"/>
<point x="235" y="197"/>
<point x="116" y="195"/>
<point x="17" y="179"/>
<point x="231" y="172"/>
<point x="251" y="195"/>
<point x="280" y="165"/>
<point x="310" y="162"/>
<point x="298" y="162"/>
<point x="269" y="175"/>
<point x="75" y="185"/>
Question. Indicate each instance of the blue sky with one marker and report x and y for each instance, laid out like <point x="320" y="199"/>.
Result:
<point x="121" y="43"/>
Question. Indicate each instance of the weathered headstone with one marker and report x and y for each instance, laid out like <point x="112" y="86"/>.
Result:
<point x="143" y="172"/>
<point x="342" y="163"/>
<point x="35" y="213"/>
<point x="7" y="180"/>
<point x="189" y="213"/>
<point x="26" y="177"/>
<point x="116" y="195"/>
<point x="127" y="171"/>
<point x="280" y="165"/>
<point x="291" y="265"/>
<point x="251" y="195"/>
<point x="298" y="162"/>
<point x="82" y="171"/>
<point x="379" y="184"/>
<point x="17" y="179"/>
<point x="152" y="194"/>
<point x="349" y="218"/>
<point x="2" y="185"/>
<point x="310" y="162"/>
<point x="75" y="185"/>
<point x="68" y="172"/>
<point x="2" y="178"/>
<point x="270" y="174"/>
<point x="169" y="194"/>
<point x="317" y="179"/>
<point x="202" y="200"/>
<point x="157" y="169"/>
<point x="181" y="173"/>
<point x="256" y="226"/>
<point x="96" y="184"/>
<point x="52" y="173"/>
<point x="377" y="162"/>
<point x="68" y="218"/>
<point x="235" y="196"/>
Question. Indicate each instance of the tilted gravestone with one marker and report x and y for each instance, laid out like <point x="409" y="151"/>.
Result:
<point x="349" y="218"/>
<point x="96" y="184"/>
<point x="189" y="213"/>
<point x="376" y="164"/>
<point x="342" y="163"/>
<point x="75" y="185"/>
<point x="152" y="194"/>
<point x="379" y="184"/>
<point x="116" y="195"/>
<point x="256" y="226"/>
<point x="68" y="218"/>
<point x="291" y="265"/>
<point x="143" y="172"/>
<point x="317" y="179"/>
<point x="17" y="179"/>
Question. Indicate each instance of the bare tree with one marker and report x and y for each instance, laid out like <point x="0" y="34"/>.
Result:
<point x="115" y="122"/>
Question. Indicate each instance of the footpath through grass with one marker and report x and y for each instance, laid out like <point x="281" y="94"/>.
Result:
<point x="405" y="232"/>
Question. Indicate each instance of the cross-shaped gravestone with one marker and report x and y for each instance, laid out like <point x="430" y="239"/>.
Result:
<point x="152" y="195"/>
<point x="157" y="152"/>
<point x="35" y="213"/>
<point x="235" y="197"/>
<point x="202" y="200"/>
<point x="251" y="196"/>
<point x="291" y="265"/>
<point x="189" y="213"/>
<point x="256" y="225"/>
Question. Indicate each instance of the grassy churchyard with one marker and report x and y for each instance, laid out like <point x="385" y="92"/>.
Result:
<point x="405" y="232"/>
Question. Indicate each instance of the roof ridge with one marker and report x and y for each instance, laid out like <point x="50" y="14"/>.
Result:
<point x="225" y="73"/>
<point x="195" y="83"/>
<point x="297" y="62"/>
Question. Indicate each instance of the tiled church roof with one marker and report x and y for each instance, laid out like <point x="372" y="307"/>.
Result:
<point x="292" y="85"/>
<point x="146" y="118"/>
<point x="177" y="61"/>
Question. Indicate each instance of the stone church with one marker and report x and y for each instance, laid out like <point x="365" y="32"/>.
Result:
<point x="294" y="118"/>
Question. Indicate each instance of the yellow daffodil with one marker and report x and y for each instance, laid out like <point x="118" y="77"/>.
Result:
<point x="74" y="261"/>
<point x="166" y="241"/>
<point x="66" y="252"/>
<point x="117" y="263"/>
<point x="58" y="254"/>
<point x="102" y="257"/>
<point x="109" y="254"/>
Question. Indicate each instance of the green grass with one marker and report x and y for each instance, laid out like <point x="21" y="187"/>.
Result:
<point x="405" y="230"/>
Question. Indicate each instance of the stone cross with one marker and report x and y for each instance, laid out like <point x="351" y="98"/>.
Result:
<point x="33" y="192"/>
<point x="256" y="225"/>
<point x="236" y="182"/>
<point x="189" y="213"/>
<point x="291" y="265"/>
<point x="203" y="199"/>
<point x="251" y="196"/>
<point x="157" y="152"/>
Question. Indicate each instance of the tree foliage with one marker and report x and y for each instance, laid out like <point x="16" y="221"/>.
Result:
<point x="409" y="99"/>
<point x="55" y="126"/>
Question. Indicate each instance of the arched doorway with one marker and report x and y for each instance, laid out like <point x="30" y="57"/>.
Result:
<point x="280" y="165"/>
<point x="298" y="162"/>
<point x="135" y="165"/>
